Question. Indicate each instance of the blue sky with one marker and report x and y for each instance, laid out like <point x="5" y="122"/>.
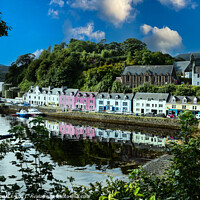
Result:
<point x="170" y="26"/>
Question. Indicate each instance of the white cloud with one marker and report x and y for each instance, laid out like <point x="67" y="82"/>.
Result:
<point x="115" y="11"/>
<point x="58" y="2"/>
<point x="145" y="29"/>
<point x="84" y="4"/>
<point x="53" y="13"/>
<point x="82" y="32"/>
<point x="164" y="39"/>
<point x="178" y="4"/>
<point x="38" y="52"/>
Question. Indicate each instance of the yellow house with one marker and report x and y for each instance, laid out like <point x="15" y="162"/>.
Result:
<point x="178" y="104"/>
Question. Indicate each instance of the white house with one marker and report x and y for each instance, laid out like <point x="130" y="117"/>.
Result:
<point x="113" y="135"/>
<point x="148" y="139"/>
<point x="114" y="102"/>
<point x="35" y="96"/>
<point x="150" y="102"/>
<point x="43" y="96"/>
<point x="196" y="72"/>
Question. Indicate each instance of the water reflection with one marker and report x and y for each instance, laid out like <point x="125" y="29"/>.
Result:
<point x="105" y="148"/>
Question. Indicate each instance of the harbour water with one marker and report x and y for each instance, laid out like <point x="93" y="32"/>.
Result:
<point x="90" y="153"/>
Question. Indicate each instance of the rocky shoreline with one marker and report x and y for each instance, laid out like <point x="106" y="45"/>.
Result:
<point x="159" y="165"/>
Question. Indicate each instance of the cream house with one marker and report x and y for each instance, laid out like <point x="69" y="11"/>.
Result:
<point x="178" y="104"/>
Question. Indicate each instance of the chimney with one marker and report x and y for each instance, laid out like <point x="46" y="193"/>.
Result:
<point x="125" y="64"/>
<point x="191" y="58"/>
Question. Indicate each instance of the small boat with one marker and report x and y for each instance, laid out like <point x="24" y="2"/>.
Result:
<point x="22" y="113"/>
<point x="34" y="111"/>
<point x="6" y="136"/>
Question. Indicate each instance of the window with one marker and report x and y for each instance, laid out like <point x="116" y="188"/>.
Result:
<point x="137" y="109"/>
<point x="148" y="105"/>
<point x="184" y="100"/>
<point x="149" y="99"/>
<point x="117" y="108"/>
<point x="198" y="75"/>
<point x="125" y="103"/>
<point x="173" y="106"/>
<point x="160" y="105"/>
<point x="78" y="100"/>
<point x="197" y="83"/>
<point x="100" y="102"/>
<point x="116" y="103"/>
<point x="127" y="78"/>
<point x="160" y="111"/>
<point x="108" y="102"/>
<point x="91" y="101"/>
<point x="137" y="104"/>
<point x="183" y="107"/>
<point x="84" y="101"/>
<point x="148" y="110"/>
<point x="66" y="99"/>
<point x="155" y="105"/>
<point x="194" y="107"/>
<point x="152" y="105"/>
<point x="91" y="107"/>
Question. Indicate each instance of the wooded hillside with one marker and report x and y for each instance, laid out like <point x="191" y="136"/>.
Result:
<point x="81" y="64"/>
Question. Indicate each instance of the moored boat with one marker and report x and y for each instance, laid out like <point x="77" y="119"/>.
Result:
<point x="22" y="113"/>
<point x="34" y="111"/>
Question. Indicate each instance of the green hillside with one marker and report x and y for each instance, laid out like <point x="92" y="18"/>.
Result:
<point x="85" y="65"/>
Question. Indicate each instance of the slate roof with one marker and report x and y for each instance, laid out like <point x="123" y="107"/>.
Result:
<point x="119" y="96"/>
<point x="69" y="91"/>
<point x="153" y="96"/>
<point x="182" y="66"/>
<point x="179" y="99"/>
<point x="186" y="56"/>
<point x="153" y="69"/>
<point x="88" y="93"/>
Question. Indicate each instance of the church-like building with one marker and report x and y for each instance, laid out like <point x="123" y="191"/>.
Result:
<point x="133" y="76"/>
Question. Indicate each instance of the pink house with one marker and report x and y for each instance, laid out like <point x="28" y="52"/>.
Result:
<point x="76" y="132"/>
<point x="67" y="99"/>
<point x="85" y="100"/>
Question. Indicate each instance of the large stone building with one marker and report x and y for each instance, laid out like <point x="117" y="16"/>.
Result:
<point x="133" y="76"/>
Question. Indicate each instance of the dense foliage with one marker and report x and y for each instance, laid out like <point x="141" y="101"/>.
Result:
<point x="83" y="64"/>
<point x="177" y="90"/>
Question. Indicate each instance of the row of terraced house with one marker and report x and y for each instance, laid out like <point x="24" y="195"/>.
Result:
<point x="140" y="103"/>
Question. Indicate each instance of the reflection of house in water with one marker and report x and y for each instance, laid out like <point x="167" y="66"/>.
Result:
<point x="68" y="131"/>
<point x="52" y="127"/>
<point x="113" y="135"/>
<point x="148" y="139"/>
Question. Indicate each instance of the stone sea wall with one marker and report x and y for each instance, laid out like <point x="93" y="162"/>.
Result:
<point x="118" y="119"/>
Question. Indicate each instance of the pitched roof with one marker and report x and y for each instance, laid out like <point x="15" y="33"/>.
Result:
<point x="69" y="91"/>
<point x="153" y="69"/>
<point x="186" y="56"/>
<point x="182" y="66"/>
<point x="153" y="96"/>
<point x="179" y="99"/>
<point x="120" y="96"/>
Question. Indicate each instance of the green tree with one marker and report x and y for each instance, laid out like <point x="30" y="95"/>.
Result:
<point x="4" y="28"/>
<point x="132" y="45"/>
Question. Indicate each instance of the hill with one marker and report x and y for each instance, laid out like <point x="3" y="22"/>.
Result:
<point x="85" y="65"/>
